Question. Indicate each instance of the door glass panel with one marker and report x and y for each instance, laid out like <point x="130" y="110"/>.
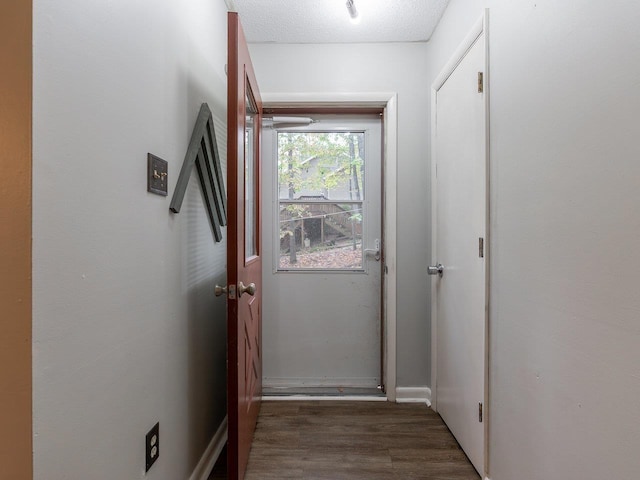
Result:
<point x="321" y="165"/>
<point x="321" y="194"/>
<point x="320" y="235"/>
<point x="250" y="204"/>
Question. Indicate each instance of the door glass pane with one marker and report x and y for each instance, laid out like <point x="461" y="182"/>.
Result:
<point x="250" y="204"/>
<point x="321" y="194"/>
<point x="320" y="235"/>
<point x="321" y="165"/>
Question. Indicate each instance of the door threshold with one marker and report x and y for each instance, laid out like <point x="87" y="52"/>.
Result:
<point x="299" y="397"/>
<point x="323" y="393"/>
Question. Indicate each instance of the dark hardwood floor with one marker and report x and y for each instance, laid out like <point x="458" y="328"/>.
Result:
<point x="346" y="440"/>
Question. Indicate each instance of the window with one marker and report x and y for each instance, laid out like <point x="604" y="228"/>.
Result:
<point x="250" y="204"/>
<point x="320" y="200"/>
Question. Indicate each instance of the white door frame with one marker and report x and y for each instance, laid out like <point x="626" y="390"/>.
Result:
<point x="388" y="101"/>
<point x="480" y="27"/>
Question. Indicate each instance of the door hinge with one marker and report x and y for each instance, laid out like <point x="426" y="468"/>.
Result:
<point x="481" y="247"/>
<point x="232" y="292"/>
<point x="480" y="82"/>
<point x="480" y="412"/>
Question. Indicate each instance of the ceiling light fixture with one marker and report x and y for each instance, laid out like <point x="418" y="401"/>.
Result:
<point x="353" y="12"/>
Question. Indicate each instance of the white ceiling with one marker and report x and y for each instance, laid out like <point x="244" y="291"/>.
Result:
<point x="327" y="21"/>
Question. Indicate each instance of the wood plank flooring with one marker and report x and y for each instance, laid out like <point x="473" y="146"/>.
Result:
<point x="345" y="440"/>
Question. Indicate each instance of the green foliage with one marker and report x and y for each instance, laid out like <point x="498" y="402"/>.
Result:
<point x="315" y="163"/>
<point x="356" y="217"/>
<point x="318" y="163"/>
<point x="293" y="212"/>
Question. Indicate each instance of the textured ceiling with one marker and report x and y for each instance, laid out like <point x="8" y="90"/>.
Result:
<point x="327" y="21"/>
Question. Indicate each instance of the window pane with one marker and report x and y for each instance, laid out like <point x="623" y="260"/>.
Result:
<point x="250" y="206"/>
<point x="321" y="166"/>
<point x="320" y="235"/>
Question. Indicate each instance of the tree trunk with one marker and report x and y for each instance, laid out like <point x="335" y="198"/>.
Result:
<point x="353" y="234"/>
<point x="361" y="155"/>
<point x="354" y="168"/>
<point x="292" y="223"/>
<point x="355" y="186"/>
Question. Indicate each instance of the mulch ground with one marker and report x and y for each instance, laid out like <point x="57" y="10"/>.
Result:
<point x="338" y="257"/>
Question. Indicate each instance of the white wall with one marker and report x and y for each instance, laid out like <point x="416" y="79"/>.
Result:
<point x="374" y="68"/>
<point x="565" y="335"/>
<point x="126" y="331"/>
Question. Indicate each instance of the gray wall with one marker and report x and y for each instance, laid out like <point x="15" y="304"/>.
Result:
<point x="126" y="330"/>
<point x="397" y="68"/>
<point x="564" y="356"/>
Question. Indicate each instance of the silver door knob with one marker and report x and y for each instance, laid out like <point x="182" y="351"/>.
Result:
<point x="220" y="290"/>
<point x="250" y="289"/>
<point x="435" y="269"/>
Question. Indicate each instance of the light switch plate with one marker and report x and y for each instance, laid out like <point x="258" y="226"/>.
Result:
<point x="157" y="175"/>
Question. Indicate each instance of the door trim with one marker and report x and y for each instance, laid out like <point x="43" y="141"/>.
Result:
<point x="388" y="102"/>
<point x="481" y="26"/>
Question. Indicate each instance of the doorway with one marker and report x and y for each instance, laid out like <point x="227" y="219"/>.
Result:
<point x="323" y="254"/>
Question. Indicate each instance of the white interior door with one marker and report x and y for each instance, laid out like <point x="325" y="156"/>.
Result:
<point x="460" y="226"/>
<point x="322" y="294"/>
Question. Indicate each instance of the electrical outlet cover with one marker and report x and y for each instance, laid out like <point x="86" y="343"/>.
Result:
<point x="152" y="442"/>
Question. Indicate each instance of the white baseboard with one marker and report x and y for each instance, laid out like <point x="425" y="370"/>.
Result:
<point x="211" y="454"/>
<point x="413" y="395"/>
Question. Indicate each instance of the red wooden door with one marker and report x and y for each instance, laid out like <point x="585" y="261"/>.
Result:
<point x="244" y="262"/>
